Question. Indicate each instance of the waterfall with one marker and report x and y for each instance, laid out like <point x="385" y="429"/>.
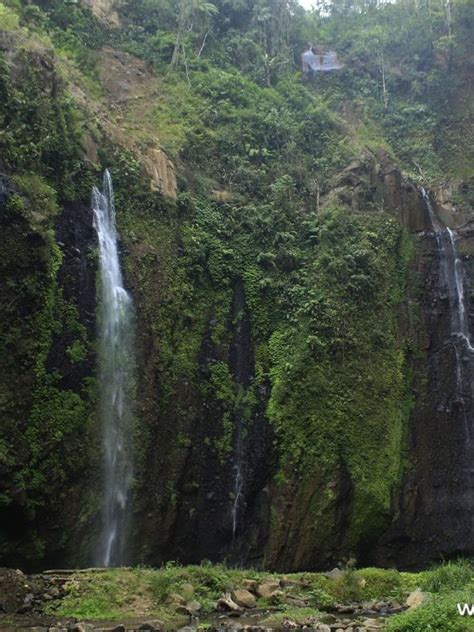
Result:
<point x="452" y="273"/>
<point x="238" y="487"/>
<point x="241" y="363"/>
<point x="115" y="381"/>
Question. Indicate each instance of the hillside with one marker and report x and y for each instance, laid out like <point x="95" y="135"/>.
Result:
<point x="303" y="393"/>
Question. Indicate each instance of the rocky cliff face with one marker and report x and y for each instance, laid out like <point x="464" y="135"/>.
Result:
<point x="435" y="501"/>
<point x="47" y="365"/>
<point x="432" y="508"/>
<point x="254" y="447"/>
<point x="105" y="11"/>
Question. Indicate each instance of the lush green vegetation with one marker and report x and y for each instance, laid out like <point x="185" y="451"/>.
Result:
<point x="258" y="153"/>
<point x="119" y="593"/>
<point x="444" y="587"/>
<point x="122" y="593"/>
<point x="438" y="614"/>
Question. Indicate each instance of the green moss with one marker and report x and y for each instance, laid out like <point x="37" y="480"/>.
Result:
<point x="327" y="398"/>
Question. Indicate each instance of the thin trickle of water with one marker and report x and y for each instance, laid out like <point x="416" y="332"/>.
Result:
<point x="238" y="485"/>
<point x="452" y="273"/>
<point x="459" y="323"/>
<point x="241" y="370"/>
<point x="116" y="364"/>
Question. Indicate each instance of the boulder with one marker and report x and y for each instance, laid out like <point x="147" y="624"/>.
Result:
<point x="150" y="626"/>
<point x="373" y="624"/>
<point x="268" y="589"/>
<point x="345" y="608"/>
<point x="226" y="604"/>
<point x="295" y="602"/>
<point x="251" y="585"/>
<point x="14" y="590"/>
<point x="177" y="599"/>
<point x="288" y="582"/>
<point x="415" y="599"/>
<point x="244" y="598"/>
<point x="323" y="627"/>
<point x="181" y="609"/>
<point x="336" y="573"/>
<point x="193" y="607"/>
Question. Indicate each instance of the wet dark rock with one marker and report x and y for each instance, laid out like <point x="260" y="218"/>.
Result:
<point x="295" y="602"/>
<point x="251" y="585"/>
<point x="14" y="591"/>
<point x="82" y="627"/>
<point x="226" y="604"/>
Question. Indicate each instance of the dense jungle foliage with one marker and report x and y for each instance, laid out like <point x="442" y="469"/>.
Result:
<point x="258" y="152"/>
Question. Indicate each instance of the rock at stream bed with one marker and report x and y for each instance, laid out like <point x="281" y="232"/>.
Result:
<point x="176" y="599"/>
<point x="226" y="604"/>
<point x="415" y="599"/>
<point x="193" y="607"/>
<point x="83" y="627"/>
<point x="251" y="585"/>
<point x="268" y="589"/>
<point x="13" y="590"/>
<point x="244" y="598"/>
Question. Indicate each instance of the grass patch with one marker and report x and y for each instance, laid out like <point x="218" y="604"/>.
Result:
<point x="114" y="594"/>
<point x="439" y="614"/>
<point x="370" y="583"/>
<point x="452" y="575"/>
<point x="130" y="593"/>
<point x="301" y="616"/>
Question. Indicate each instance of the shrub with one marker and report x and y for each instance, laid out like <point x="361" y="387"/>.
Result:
<point x="452" y="575"/>
<point x="8" y="18"/>
<point x="437" y="615"/>
<point x="379" y="583"/>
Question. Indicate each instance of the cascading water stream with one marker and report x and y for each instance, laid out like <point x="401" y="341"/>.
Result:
<point x="452" y="272"/>
<point x="241" y="365"/>
<point x="238" y="486"/>
<point x="116" y="368"/>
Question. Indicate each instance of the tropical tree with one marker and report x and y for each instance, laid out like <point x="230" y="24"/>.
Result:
<point x="191" y="14"/>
